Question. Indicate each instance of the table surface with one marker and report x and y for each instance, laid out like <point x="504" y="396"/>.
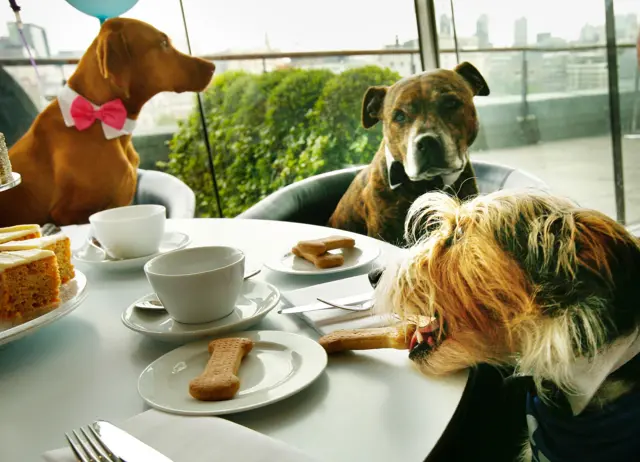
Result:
<point x="370" y="406"/>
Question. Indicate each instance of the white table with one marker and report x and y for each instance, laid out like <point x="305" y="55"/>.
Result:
<point x="370" y="406"/>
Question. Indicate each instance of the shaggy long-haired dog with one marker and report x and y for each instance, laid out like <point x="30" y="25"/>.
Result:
<point x="536" y="283"/>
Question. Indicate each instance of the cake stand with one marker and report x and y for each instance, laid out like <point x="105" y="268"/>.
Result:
<point x="17" y="179"/>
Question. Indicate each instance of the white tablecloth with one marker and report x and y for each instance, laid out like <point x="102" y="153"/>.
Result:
<point x="369" y="406"/>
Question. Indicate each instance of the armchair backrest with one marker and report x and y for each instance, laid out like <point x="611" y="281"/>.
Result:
<point x="314" y="199"/>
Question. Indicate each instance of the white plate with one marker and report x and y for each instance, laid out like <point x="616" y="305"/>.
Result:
<point x="170" y="242"/>
<point x="255" y="302"/>
<point x="364" y="252"/>
<point x="72" y="294"/>
<point x="279" y="365"/>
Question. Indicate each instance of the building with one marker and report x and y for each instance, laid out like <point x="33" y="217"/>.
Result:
<point x="587" y="71"/>
<point x="446" y="26"/>
<point x="35" y="36"/>
<point x="404" y="64"/>
<point x="520" y="33"/>
<point x="482" y="31"/>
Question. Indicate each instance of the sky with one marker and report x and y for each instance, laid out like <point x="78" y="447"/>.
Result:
<point x="297" y="25"/>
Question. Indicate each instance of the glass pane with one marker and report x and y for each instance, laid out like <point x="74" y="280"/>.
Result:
<point x="548" y="109"/>
<point x="54" y="29"/>
<point x="271" y="120"/>
<point x="626" y="18"/>
<point x="274" y="121"/>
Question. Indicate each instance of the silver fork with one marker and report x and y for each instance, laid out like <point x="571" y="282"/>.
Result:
<point x="49" y="229"/>
<point x="89" y="447"/>
<point x="364" y="306"/>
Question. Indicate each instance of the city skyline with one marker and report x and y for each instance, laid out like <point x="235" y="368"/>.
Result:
<point x="216" y="28"/>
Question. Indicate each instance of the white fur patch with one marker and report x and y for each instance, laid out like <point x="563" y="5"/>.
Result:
<point x="450" y="179"/>
<point x="412" y="162"/>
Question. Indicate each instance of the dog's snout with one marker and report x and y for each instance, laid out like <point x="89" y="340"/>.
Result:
<point x="374" y="276"/>
<point x="431" y="151"/>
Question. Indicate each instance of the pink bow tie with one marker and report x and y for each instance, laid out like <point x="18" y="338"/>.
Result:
<point x="112" y="113"/>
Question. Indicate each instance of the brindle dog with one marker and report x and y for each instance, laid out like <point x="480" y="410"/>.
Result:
<point x="429" y="123"/>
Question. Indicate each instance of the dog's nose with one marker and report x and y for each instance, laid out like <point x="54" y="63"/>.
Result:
<point x="374" y="276"/>
<point x="431" y="152"/>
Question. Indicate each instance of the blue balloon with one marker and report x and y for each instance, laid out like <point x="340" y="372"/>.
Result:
<point x="103" y="9"/>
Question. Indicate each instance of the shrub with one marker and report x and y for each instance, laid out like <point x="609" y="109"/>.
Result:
<point x="269" y="130"/>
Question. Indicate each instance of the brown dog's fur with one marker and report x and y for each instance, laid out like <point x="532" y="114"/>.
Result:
<point x="438" y="103"/>
<point x="69" y="174"/>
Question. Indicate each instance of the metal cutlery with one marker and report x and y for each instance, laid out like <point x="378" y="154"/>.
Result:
<point x="357" y="307"/>
<point x="93" y="251"/>
<point x="49" y="229"/>
<point x="361" y="302"/>
<point x="104" y="442"/>
<point x="156" y="305"/>
<point x="88" y="447"/>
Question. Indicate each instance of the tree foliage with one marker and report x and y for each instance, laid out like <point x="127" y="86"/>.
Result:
<point x="267" y="131"/>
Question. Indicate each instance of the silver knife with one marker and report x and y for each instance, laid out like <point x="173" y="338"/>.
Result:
<point x="125" y="446"/>
<point x="352" y="300"/>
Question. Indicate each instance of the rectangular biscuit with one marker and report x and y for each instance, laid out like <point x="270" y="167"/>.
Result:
<point x="320" y="246"/>
<point x="323" y="261"/>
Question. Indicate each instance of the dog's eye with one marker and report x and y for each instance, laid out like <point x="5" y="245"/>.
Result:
<point x="399" y="116"/>
<point x="164" y="43"/>
<point x="451" y="103"/>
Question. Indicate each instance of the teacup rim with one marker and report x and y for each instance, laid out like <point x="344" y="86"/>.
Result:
<point x="96" y="217"/>
<point x="167" y="254"/>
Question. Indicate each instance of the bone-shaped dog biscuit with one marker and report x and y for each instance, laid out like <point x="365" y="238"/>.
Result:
<point x="219" y="381"/>
<point x="320" y="246"/>
<point x="397" y="337"/>
<point x="324" y="261"/>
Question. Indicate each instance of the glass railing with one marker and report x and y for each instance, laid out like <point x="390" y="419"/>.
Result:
<point x="547" y="114"/>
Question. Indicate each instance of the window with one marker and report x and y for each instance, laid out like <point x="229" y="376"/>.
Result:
<point x="285" y="102"/>
<point x="548" y="112"/>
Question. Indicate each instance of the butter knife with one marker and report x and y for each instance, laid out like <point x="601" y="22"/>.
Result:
<point x="125" y="446"/>
<point x="352" y="300"/>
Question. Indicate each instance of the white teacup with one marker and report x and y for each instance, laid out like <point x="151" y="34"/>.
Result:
<point x="198" y="285"/>
<point x="130" y="232"/>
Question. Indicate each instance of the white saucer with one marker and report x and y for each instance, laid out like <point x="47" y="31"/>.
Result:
<point x="17" y="179"/>
<point x="255" y="302"/>
<point x="279" y="365"/>
<point x="171" y="241"/>
<point x="364" y="252"/>
<point x="72" y="294"/>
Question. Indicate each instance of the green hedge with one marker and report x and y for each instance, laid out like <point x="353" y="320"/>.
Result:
<point x="267" y="131"/>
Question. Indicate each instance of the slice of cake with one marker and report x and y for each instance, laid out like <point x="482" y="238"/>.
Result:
<point x="19" y="233"/>
<point x="5" y="164"/>
<point x="29" y="284"/>
<point x="58" y="244"/>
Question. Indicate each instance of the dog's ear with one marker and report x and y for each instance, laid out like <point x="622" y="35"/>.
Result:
<point x="114" y="59"/>
<point x="473" y="78"/>
<point x="372" y="105"/>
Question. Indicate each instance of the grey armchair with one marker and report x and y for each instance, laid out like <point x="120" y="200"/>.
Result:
<point x="163" y="189"/>
<point x="314" y="199"/>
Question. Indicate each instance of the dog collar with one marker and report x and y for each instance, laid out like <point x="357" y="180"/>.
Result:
<point x="396" y="175"/>
<point x="66" y="99"/>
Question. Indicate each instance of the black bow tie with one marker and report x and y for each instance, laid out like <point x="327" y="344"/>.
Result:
<point x="397" y="175"/>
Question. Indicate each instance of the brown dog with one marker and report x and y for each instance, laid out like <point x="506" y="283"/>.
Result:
<point x="69" y="170"/>
<point x="429" y="123"/>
